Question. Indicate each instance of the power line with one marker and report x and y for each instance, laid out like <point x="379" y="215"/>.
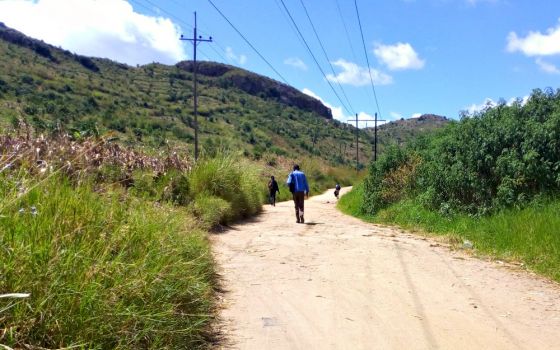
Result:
<point x="370" y="79"/>
<point x="326" y="56"/>
<point x="367" y="59"/>
<point x="204" y="32"/>
<point x="169" y="13"/>
<point x="218" y="52"/>
<point x="346" y="30"/>
<point x="183" y="22"/>
<point x="249" y="43"/>
<point x="291" y="25"/>
<point x="313" y="56"/>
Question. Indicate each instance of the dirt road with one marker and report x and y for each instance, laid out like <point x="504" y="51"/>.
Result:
<point x="338" y="283"/>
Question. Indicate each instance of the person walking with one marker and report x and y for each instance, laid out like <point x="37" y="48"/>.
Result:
<point x="336" y="190"/>
<point x="297" y="183"/>
<point x="272" y="189"/>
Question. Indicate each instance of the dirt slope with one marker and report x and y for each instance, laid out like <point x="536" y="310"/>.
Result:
<point x="339" y="283"/>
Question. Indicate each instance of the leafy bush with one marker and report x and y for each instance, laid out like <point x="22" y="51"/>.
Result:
<point x="234" y="180"/>
<point x="381" y="187"/>
<point x="212" y="210"/>
<point x="498" y="158"/>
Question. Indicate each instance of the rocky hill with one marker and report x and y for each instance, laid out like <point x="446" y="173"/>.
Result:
<point x="401" y="131"/>
<point x="257" y="85"/>
<point x="53" y="90"/>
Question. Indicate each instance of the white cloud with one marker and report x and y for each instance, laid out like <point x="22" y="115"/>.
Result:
<point x="396" y="115"/>
<point x="352" y="74"/>
<point x="296" y="63"/>
<point x="490" y="103"/>
<point x="232" y="56"/>
<point x="370" y="118"/>
<point x="102" y="28"/>
<point x="475" y="108"/>
<point x="337" y="112"/>
<point x="547" y="67"/>
<point x="536" y="43"/>
<point x="400" y="56"/>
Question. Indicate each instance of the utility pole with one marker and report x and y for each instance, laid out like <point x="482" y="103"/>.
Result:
<point x="375" y="137"/>
<point x="357" y="140"/>
<point x="195" y="40"/>
<point x="357" y="143"/>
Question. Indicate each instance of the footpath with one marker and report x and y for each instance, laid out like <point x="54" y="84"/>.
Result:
<point x="339" y="283"/>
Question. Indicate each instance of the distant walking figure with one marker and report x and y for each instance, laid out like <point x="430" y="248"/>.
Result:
<point x="299" y="187"/>
<point x="336" y="190"/>
<point x="272" y="189"/>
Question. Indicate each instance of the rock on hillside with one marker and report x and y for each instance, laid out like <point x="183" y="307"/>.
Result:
<point x="423" y="122"/>
<point x="229" y="76"/>
<point x="403" y="130"/>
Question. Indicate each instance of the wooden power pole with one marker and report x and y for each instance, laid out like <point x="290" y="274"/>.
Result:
<point x="357" y="140"/>
<point x="195" y="40"/>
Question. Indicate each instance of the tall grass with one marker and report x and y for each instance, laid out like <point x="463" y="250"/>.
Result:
<point x="103" y="270"/>
<point x="234" y="181"/>
<point x="530" y="235"/>
<point x="351" y="202"/>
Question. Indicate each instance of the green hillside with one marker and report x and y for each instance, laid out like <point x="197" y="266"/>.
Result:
<point x="401" y="131"/>
<point x="53" y="89"/>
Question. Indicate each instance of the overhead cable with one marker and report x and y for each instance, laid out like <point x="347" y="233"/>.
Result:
<point x="367" y="59"/>
<point x="314" y="58"/>
<point x="327" y="56"/>
<point x="248" y="42"/>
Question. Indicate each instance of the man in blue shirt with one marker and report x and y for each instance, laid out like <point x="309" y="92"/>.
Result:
<point x="297" y="182"/>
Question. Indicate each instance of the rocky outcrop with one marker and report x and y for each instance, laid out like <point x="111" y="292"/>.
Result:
<point x="232" y="77"/>
<point x="13" y="36"/>
<point x="43" y="49"/>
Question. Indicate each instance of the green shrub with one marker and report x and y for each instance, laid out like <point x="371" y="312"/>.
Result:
<point x="351" y="203"/>
<point x="212" y="210"/>
<point x="179" y="188"/>
<point x="232" y="179"/>
<point x="375" y="191"/>
<point x="499" y="158"/>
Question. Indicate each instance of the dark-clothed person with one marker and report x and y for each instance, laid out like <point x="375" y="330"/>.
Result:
<point x="336" y="190"/>
<point x="272" y="189"/>
<point x="297" y="183"/>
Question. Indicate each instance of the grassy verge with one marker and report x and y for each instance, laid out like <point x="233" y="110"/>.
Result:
<point x="102" y="271"/>
<point x="104" y="266"/>
<point x="530" y="235"/>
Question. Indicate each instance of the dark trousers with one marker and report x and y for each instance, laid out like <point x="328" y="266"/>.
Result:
<point x="298" y="203"/>
<point x="272" y="198"/>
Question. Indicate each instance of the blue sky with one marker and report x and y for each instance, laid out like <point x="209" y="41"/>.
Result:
<point x="426" y="56"/>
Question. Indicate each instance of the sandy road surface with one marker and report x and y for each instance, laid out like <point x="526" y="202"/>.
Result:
<point x="339" y="283"/>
